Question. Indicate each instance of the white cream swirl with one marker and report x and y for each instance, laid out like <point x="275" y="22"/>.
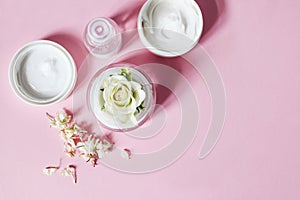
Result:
<point x="172" y="25"/>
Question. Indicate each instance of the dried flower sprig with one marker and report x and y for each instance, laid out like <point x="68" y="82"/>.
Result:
<point x="78" y="140"/>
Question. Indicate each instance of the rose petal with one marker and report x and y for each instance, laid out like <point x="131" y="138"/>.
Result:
<point x="128" y="109"/>
<point x="135" y="85"/>
<point x="139" y="96"/>
<point x="101" y="99"/>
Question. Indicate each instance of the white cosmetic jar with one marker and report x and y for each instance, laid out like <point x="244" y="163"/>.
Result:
<point x="170" y="28"/>
<point x="42" y="72"/>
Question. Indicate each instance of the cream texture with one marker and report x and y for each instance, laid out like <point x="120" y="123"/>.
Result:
<point x="171" y="25"/>
<point x="42" y="73"/>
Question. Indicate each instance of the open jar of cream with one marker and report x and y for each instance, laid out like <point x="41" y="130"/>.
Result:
<point x="170" y="28"/>
<point x="42" y="72"/>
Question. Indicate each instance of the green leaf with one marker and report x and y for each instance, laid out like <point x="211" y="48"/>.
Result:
<point x="126" y="73"/>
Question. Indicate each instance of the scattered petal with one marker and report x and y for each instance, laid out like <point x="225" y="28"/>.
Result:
<point x="126" y="153"/>
<point x="70" y="171"/>
<point x="77" y="140"/>
<point x="88" y="149"/>
<point x="50" y="170"/>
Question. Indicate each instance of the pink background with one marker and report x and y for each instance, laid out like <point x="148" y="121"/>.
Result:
<point x="255" y="45"/>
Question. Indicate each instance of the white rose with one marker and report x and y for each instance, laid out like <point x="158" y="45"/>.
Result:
<point x="121" y="98"/>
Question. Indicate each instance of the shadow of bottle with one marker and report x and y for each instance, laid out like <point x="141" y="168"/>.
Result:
<point x="127" y="16"/>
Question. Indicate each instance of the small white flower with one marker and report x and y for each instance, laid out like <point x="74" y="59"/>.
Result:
<point x="93" y="149"/>
<point x="89" y="149"/>
<point x="60" y="121"/>
<point x="71" y="131"/>
<point x="75" y="129"/>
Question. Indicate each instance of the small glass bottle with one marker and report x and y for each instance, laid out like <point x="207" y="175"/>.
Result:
<point x="102" y="37"/>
